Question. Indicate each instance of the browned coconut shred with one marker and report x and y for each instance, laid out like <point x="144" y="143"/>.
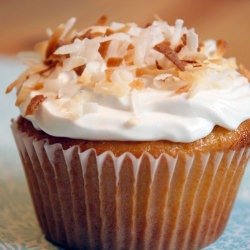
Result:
<point x="34" y="104"/>
<point x="102" y="21"/>
<point x="170" y="54"/>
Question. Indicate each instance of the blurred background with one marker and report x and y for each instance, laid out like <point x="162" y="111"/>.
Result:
<point x="23" y="23"/>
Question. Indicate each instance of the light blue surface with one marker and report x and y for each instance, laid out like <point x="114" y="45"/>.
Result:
<point x="18" y="226"/>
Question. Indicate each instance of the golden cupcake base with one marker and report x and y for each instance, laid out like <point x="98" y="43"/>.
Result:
<point x="86" y="200"/>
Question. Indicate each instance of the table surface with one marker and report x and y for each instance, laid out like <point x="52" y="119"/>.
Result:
<point x="18" y="226"/>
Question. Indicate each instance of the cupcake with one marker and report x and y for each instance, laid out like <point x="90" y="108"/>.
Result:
<point x="132" y="137"/>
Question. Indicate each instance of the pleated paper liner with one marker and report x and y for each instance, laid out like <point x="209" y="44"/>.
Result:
<point x="89" y="201"/>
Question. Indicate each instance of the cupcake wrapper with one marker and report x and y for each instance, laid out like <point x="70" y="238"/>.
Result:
<point x="89" y="201"/>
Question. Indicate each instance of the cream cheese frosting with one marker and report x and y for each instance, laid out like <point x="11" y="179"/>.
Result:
<point x="125" y="82"/>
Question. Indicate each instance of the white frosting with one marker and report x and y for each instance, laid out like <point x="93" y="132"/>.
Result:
<point x="92" y="107"/>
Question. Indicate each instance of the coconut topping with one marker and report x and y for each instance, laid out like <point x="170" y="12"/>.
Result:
<point x="100" y="52"/>
<point x="164" y="48"/>
<point x="35" y="102"/>
<point x="134" y="71"/>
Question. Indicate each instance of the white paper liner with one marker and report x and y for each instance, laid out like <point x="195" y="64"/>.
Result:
<point x="83" y="200"/>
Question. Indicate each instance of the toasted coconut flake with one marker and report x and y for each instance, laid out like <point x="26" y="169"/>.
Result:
<point x="130" y="46"/>
<point x="111" y="88"/>
<point x="124" y="29"/>
<point x="102" y="21"/>
<point x="165" y="49"/>
<point x="15" y="84"/>
<point x="108" y="73"/>
<point x="184" y="39"/>
<point x="47" y="69"/>
<point x="177" y="32"/>
<point x="189" y="76"/>
<point x="73" y="62"/>
<point x="157" y="64"/>
<point x="137" y="84"/>
<point x="38" y="86"/>
<point x="193" y="63"/>
<point x="109" y="32"/>
<point x="103" y="49"/>
<point x="79" y="70"/>
<point x="147" y="24"/>
<point x="232" y="64"/>
<point x="178" y="48"/>
<point x="183" y="42"/>
<point x="194" y="57"/>
<point x="68" y="27"/>
<point x="41" y="68"/>
<point x="53" y="42"/>
<point x="68" y="49"/>
<point x="23" y="95"/>
<point x="168" y="82"/>
<point x="37" y="68"/>
<point x="221" y="47"/>
<point x="130" y="57"/>
<point x="245" y="72"/>
<point x="34" y="104"/>
<point x="216" y="60"/>
<point x="192" y="41"/>
<point x="41" y="48"/>
<point x="83" y="82"/>
<point x="17" y="81"/>
<point x="87" y="34"/>
<point x="184" y="89"/>
<point x="95" y="34"/>
<point x="197" y="65"/>
<point x="114" y="61"/>
<point x="200" y="46"/>
<point x="189" y="61"/>
<point x="154" y="72"/>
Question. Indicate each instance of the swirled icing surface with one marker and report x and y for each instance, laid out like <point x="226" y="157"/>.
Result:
<point x="125" y="82"/>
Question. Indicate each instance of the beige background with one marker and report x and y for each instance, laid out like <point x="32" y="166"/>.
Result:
<point x="23" y="22"/>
